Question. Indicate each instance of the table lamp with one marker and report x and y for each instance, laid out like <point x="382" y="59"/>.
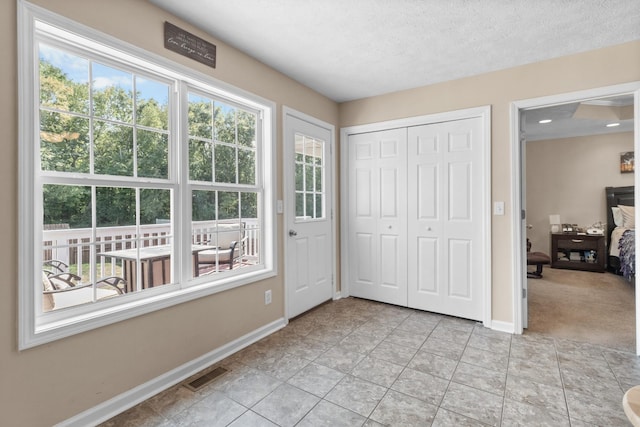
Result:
<point x="554" y="221"/>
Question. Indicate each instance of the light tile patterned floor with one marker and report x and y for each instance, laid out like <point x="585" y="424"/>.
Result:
<point x="354" y="362"/>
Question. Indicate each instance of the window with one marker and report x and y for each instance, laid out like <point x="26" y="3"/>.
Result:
<point x="151" y="183"/>
<point x="309" y="178"/>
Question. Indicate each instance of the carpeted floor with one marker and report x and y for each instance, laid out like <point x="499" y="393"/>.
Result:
<point x="597" y="308"/>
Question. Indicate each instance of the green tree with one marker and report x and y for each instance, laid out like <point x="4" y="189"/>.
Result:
<point x="222" y="147"/>
<point x="65" y="147"/>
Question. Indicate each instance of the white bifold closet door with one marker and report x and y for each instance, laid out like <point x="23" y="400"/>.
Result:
<point x="444" y="218"/>
<point x="378" y="216"/>
<point x="415" y="217"/>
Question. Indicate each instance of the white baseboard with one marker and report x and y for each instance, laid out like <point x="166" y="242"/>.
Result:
<point x="497" y="325"/>
<point x="130" y="398"/>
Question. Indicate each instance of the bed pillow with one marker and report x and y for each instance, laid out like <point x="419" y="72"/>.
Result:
<point x="617" y="216"/>
<point x="628" y="216"/>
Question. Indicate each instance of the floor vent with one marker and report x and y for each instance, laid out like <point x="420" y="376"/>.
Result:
<point x="205" y="379"/>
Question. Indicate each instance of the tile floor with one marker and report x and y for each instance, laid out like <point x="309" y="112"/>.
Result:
<point x="354" y="362"/>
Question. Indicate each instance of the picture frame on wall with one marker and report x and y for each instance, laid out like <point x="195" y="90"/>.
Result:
<point x="627" y="162"/>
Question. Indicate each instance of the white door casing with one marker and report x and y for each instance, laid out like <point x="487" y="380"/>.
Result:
<point x="523" y="227"/>
<point x="377" y="206"/>
<point x="309" y="231"/>
<point x="519" y="278"/>
<point x="445" y="188"/>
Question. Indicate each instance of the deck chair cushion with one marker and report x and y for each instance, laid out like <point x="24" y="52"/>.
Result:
<point x="48" y="303"/>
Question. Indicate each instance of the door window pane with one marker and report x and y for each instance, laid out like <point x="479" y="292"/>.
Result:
<point x="309" y="172"/>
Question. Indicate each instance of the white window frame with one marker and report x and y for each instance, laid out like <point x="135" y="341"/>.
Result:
<point x="35" y="327"/>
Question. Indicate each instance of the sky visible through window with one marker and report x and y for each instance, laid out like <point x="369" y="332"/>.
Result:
<point x="76" y="69"/>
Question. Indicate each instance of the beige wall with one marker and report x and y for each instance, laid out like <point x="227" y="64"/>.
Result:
<point x="568" y="176"/>
<point x="50" y="383"/>
<point x="604" y="67"/>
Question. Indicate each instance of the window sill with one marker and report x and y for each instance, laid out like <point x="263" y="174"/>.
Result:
<point x="51" y="328"/>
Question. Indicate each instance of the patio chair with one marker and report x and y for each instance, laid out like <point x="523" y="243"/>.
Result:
<point x="229" y="240"/>
<point x="66" y="289"/>
<point x="55" y="266"/>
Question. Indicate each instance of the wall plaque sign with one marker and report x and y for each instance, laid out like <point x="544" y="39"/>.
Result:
<point x="185" y="43"/>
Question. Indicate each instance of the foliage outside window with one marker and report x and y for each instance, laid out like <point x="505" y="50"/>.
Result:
<point x="110" y="188"/>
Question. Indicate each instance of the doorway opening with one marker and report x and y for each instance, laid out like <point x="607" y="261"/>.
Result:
<point x="561" y="169"/>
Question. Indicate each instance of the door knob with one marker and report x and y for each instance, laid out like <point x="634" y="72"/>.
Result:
<point x="293" y="233"/>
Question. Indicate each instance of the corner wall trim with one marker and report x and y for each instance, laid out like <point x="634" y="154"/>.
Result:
<point x="130" y="398"/>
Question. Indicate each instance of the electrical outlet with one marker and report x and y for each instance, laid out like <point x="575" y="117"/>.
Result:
<point x="267" y="297"/>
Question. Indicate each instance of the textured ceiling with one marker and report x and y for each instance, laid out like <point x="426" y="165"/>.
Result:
<point x="351" y="49"/>
<point x="580" y="119"/>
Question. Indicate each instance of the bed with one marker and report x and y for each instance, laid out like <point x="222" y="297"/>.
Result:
<point x="621" y="231"/>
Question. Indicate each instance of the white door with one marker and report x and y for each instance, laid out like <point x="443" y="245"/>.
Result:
<point x="378" y="216"/>
<point x="309" y="211"/>
<point x="445" y="251"/>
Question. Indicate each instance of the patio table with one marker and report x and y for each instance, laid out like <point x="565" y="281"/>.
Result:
<point x="155" y="262"/>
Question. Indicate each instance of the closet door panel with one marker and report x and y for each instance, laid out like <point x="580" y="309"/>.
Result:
<point x="428" y="268"/>
<point x="451" y="197"/>
<point x="364" y="265"/>
<point x="460" y="269"/>
<point x="377" y="220"/>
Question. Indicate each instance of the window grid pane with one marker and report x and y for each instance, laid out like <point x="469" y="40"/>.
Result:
<point x="231" y="132"/>
<point x="100" y="140"/>
<point x="308" y="171"/>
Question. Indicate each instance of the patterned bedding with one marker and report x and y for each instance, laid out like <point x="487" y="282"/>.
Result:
<point x="627" y="257"/>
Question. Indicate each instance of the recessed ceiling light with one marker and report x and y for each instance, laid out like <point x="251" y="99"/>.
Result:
<point x="545" y="121"/>
<point x="612" y="125"/>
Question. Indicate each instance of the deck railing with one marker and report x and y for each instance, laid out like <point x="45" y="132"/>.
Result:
<point x="73" y="245"/>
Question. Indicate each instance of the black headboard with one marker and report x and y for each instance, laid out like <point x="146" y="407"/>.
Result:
<point x="617" y="196"/>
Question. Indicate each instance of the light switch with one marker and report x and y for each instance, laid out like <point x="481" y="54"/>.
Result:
<point x="498" y="208"/>
<point x="280" y="206"/>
